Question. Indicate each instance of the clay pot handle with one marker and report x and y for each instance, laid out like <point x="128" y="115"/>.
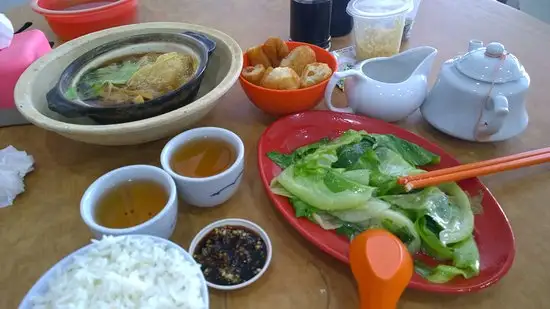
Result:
<point x="210" y="44"/>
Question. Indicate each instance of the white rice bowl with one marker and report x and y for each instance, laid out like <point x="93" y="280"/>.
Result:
<point x="134" y="271"/>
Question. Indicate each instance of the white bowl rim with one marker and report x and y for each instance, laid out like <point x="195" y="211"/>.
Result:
<point x="165" y="159"/>
<point x="64" y="262"/>
<point x="238" y="222"/>
<point x="34" y="116"/>
<point x="85" y="207"/>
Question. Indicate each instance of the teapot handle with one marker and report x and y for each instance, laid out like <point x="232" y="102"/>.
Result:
<point x="332" y="84"/>
<point x="492" y="117"/>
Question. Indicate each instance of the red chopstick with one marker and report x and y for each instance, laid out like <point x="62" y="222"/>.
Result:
<point x="471" y="170"/>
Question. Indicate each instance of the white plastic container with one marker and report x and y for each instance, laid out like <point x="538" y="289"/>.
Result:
<point x="378" y="26"/>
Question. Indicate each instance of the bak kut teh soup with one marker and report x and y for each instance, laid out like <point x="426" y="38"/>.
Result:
<point x="134" y="78"/>
<point x="130" y="203"/>
<point x="203" y="157"/>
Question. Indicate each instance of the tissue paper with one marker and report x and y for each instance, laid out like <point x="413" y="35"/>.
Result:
<point x="14" y="165"/>
<point x="6" y="31"/>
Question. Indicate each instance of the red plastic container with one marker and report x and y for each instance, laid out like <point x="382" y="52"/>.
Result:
<point x="70" y="19"/>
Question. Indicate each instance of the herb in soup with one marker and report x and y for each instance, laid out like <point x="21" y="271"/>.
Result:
<point x="135" y="78"/>
<point x="231" y="255"/>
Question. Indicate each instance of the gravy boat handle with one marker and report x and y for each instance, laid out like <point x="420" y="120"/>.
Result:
<point x="330" y="89"/>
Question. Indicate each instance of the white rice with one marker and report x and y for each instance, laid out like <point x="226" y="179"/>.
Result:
<point x="126" y="272"/>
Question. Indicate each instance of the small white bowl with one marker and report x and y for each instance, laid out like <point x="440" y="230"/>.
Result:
<point x="41" y="286"/>
<point x="162" y="225"/>
<point x="235" y="222"/>
<point x="207" y="191"/>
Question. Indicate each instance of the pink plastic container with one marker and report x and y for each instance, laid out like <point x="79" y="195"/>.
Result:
<point x="25" y="48"/>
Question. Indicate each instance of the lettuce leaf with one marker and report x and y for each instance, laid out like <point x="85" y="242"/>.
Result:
<point x="310" y="148"/>
<point x="330" y="148"/>
<point x="360" y="176"/>
<point x="367" y="211"/>
<point x="466" y="257"/>
<point x="325" y="190"/>
<point x="378" y="214"/>
<point x="285" y="160"/>
<point x="447" y="205"/>
<point x="458" y="220"/>
<point x="392" y="164"/>
<point x="281" y="159"/>
<point x="402" y="227"/>
<point x="465" y="263"/>
<point x="326" y="221"/>
<point x="350" y="230"/>
<point x="350" y="154"/>
<point x="412" y="153"/>
<point x="385" y="167"/>
<point x="440" y="274"/>
<point x="429" y="233"/>
<point x="302" y="209"/>
<point x="319" y="161"/>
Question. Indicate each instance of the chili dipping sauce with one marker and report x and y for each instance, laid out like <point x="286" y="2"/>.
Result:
<point x="231" y="255"/>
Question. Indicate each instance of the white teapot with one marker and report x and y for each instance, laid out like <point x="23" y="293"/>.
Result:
<point x="479" y="96"/>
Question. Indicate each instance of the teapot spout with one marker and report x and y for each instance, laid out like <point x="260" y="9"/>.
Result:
<point x="425" y="57"/>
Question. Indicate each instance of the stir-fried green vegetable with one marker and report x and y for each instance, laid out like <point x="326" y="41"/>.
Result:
<point x="92" y="82"/>
<point x="349" y="184"/>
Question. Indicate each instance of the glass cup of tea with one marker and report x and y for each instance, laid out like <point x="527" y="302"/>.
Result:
<point x="206" y="163"/>
<point x="378" y="26"/>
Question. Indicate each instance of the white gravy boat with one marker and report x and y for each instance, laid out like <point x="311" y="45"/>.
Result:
<point x="387" y="88"/>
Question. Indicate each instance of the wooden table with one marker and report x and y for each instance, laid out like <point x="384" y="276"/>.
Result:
<point x="44" y="224"/>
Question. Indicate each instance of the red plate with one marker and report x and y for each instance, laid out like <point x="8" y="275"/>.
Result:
<point x="492" y="233"/>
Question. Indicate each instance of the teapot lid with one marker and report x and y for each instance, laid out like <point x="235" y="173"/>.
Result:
<point x="491" y="64"/>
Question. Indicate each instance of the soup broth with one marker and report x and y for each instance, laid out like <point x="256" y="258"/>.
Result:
<point x="130" y="203"/>
<point x="203" y="157"/>
<point x="134" y="78"/>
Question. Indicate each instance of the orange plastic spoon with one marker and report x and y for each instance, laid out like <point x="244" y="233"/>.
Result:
<point x="382" y="267"/>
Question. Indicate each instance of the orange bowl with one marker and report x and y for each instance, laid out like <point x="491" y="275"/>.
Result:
<point x="284" y="102"/>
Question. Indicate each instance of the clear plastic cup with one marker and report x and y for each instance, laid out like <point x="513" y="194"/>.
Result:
<point x="409" y="20"/>
<point x="378" y="26"/>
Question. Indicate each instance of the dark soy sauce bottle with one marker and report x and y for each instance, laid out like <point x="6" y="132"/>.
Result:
<point x="340" y="22"/>
<point x="310" y="22"/>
